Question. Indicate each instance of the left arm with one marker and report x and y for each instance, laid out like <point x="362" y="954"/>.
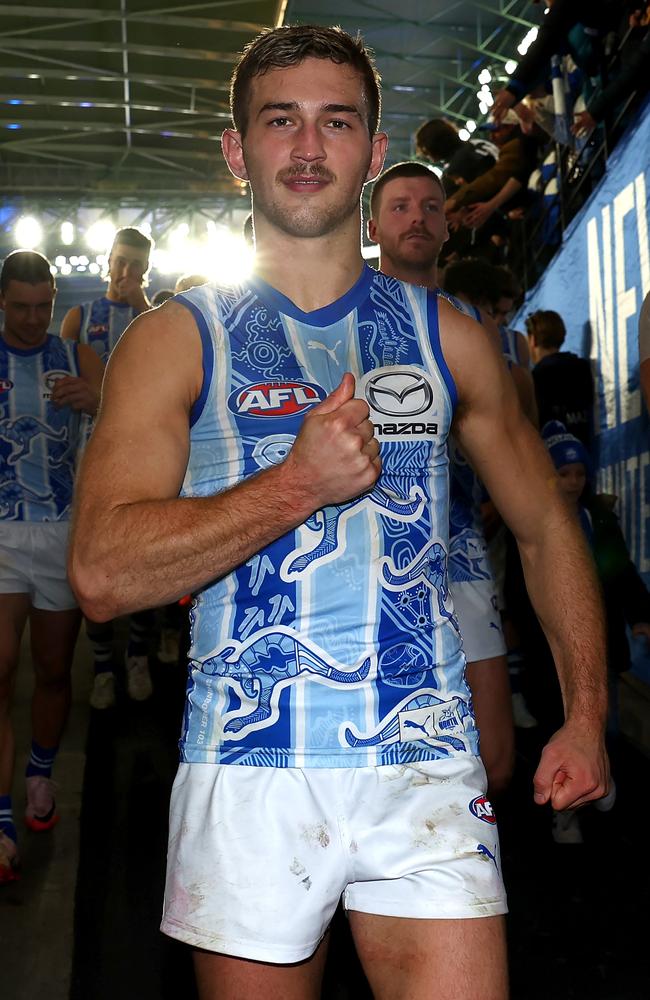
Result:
<point x="510" y="458"/>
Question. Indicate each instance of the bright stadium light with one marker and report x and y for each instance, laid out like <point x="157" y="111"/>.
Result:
<point x="470" y="126"/>
<point x="101" y="234"/>
<point x="483" y="108"/>
<point x="66" y="269"/>
<point x="60" y="260"/>
<point x="67" y="233"/>
<point x="463" y="134"/>
<point x="527" y="41"/>
<point x="94" y="268"/>
<point x="484" y="76"/>
<point x="511" y="66"/>
<point x="28" y="232"/>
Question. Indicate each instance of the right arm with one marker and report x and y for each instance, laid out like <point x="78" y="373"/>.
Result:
<point x="71" y="325"/>
<point x="135" y="543"/>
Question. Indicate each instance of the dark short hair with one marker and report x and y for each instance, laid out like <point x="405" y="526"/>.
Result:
<point x="289" y="45"/>
<point x="409" y="168"/>
<point x="131" y="237"/>
<point x="161" y="296"/>
<point x="473" y="278"/>
<point x="25" y="265"/>
<point x="506" y="285"/>
<point x="547" y="327"/>
<point x="437" y="139"/>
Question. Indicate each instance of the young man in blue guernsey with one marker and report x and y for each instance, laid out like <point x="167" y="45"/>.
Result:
<point x="100" y="324"/>
<point x="407" y="220"/>
<point x="279" y="450"/>
<point x="45" y="385"/>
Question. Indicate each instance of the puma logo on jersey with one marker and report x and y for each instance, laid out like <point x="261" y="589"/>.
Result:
<point x="316" y="345"/>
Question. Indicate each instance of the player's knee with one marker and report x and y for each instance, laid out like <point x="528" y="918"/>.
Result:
<point x="52" y="676"/>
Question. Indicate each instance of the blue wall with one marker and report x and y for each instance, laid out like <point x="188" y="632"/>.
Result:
<point x="597" y="282"/>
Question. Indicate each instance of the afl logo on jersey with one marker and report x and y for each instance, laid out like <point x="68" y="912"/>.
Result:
<point x="275" y="399"/>
<point x="482" y="809"/>
<point x="399" y="393"/>
<point x="6" y="384"/>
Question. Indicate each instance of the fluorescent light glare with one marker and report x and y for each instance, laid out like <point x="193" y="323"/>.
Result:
<point x="28" y="232"/>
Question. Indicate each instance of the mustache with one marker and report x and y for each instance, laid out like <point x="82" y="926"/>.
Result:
<point x="316" y="170"/>
<point x="417" y="232"/>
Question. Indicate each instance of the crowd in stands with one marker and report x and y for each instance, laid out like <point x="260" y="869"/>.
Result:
<point x="512" y="189"/>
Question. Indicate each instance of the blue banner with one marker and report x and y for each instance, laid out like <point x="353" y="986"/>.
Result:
<point x="597" y="282"/>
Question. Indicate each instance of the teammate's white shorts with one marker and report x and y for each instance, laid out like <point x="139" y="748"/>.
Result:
<point x="475" y="604"/>
<point x="259" y="857"/>
<point x="33" y="561"/>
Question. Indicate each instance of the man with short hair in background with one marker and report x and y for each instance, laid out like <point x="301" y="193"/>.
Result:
<point x="45" y="385"/>
<point x="100" y="324"/>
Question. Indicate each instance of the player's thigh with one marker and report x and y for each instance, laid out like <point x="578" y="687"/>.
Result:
<point x="490" y="686"/>
<point x="53" y="638"/>
<point x="14" y="609"/>
<point x="222" y="977"/>
<point x="406" y="959"/>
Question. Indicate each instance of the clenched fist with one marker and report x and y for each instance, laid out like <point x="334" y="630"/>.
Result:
<point x="335" y="457"/>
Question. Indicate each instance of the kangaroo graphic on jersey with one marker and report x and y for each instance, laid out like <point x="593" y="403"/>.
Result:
<point x="426" y="716"/>
<point x="270" y="658"/>
<point x="21" y="432"/>
<point x="430" y="567"/>
<point x="12" y="494"/>
<point x="329" y="517"/>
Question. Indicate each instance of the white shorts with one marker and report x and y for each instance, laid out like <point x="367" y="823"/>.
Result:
<point x="33" y="561"/>
<point x="259" y="857"/>
<point x="476" y="607"/>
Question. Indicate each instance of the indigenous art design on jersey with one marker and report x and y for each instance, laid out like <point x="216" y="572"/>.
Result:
<point x="337" y="644"/>
<point x="38" y="441"/>
<point x="102" y="324"/>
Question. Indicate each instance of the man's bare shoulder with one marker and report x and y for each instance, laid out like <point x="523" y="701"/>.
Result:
<point x="159" y="349"/>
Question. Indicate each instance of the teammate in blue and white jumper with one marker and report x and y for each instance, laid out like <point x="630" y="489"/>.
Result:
<point x="45" y="386"/>
<point x="408" y="223"/>
<point x="100" y="324"/>
<point x="281" y="454"/>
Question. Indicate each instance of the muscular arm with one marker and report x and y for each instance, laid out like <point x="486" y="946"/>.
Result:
<point x="71" y="325"/>
<point x="135" y="543"/>
<point x="510" y="458"/>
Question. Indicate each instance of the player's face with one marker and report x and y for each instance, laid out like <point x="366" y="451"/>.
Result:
<point x="126" y="264"/>
<point x="307" y="152"/>
<point x="410" y="226"/>
<point x="27" y="313"/>
<point x="573" y="479"/>
<point x="503" y="311"/>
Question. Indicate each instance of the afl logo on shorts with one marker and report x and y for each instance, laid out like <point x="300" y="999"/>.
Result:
<point x="399" y="393"/>
<point x="275" y="399"/>
<point x="6" y="384"/>
<point x="482" y="809"/>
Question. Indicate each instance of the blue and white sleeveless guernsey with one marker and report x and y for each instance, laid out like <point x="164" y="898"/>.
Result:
<point x="102" y="324"/>
<point x="38" y="441"/>
<point x="336" y="645"/>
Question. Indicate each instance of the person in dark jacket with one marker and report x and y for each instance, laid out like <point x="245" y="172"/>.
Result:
<point x="564" y="385"/>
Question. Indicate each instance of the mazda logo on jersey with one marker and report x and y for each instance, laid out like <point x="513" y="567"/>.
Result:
<point x="6" y="384"/>
<point x="275" y="399"/>
<point x="399" y="393"/>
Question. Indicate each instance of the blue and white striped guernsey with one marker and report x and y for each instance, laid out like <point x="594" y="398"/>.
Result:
<point x="38" y="441"/>
<point x="102" y="324"/>
<point x="336" y="645"/>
